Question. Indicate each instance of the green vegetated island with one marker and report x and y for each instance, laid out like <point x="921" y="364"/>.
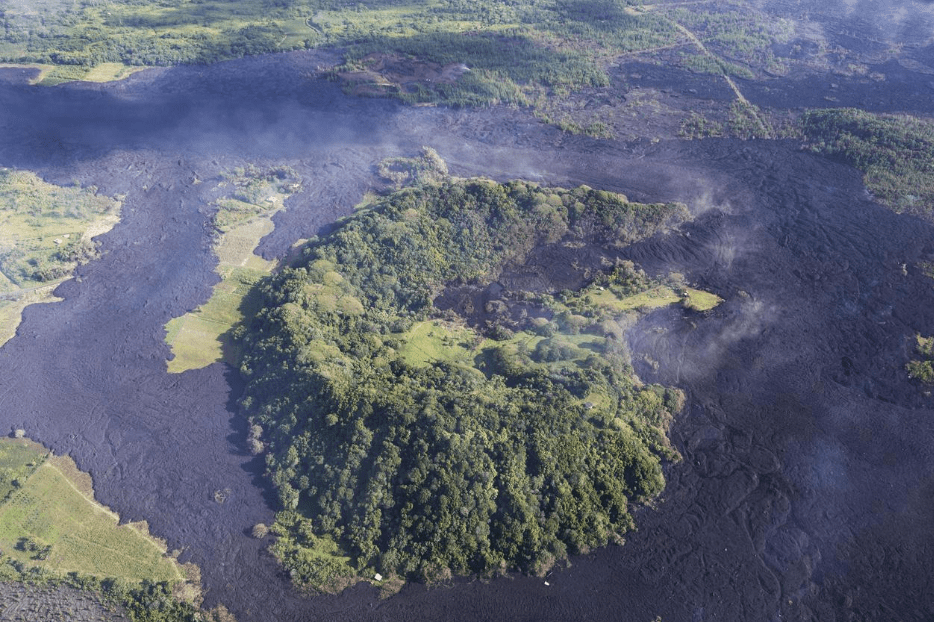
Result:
<point x="45" y="232"/>
<point x="249" y="198"/>
<point x="53" y="532"/>
<point x="442" y="384"/>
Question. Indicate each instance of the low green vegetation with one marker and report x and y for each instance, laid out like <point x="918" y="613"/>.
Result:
<point x="88" y="34"/>
<point x="413" y="441"/>
<point x="50" y="75"/>
<point x="251" y="197"/>
<point x="18" y="460"/>
<point x="742" y="39"/>
<point x="43" y="228"/>
<point x="605" y="302"/>
<point x="453" y="52"/>
<point x="698" y="126"/>
<point x="496" y="68"/>
<point x="746" y="121"/>
<point x="45" y="232"/>
<point x="895" y="153"/>
<point x="595" y="129"/>
<point x="699" y="300"/>
<point x="546" y="42"/>
<point x="705" y="63"/>
<point x="510" y="50"/>
<point x="52" y="531"/>
<point x="923" y="369"/>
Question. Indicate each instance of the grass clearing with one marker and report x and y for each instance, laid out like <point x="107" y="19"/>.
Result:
<point x="660" y="296"/>
<point x="573" y="339"/>
<point x="50" y="520"/>
<point x="200" y="338"/>
<point x="314" y="559"/>
<point x="434" y="341"/>
<point x="197" y="338"/>
<point x="699" y="300"/>
<point x="18" y="460"/>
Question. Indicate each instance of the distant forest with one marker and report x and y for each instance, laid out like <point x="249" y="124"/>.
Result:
<point x="416" y="442"/>
<point x="509" y="47"/>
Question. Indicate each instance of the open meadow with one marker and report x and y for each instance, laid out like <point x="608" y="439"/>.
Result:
<point x="49" y="521"/>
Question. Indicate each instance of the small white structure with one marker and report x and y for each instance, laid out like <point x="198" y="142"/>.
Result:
<point x="378" y="577"/>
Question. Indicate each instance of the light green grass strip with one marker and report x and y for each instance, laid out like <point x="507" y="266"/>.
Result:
<point x="47" y="509"/>
<point x="199" y="338"/>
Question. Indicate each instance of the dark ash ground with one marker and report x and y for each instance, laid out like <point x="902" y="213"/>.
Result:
<point x="807" y="489"/>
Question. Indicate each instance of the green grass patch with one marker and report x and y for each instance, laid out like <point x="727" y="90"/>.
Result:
<point x="50" y="75"/>
<point x="199" y="338"/>
<point x="243" y="218"/>
<point x="699" y="300"/>
<point x="438" y="341"/>
<point x="18" y="460"/>
<point x="47" y="521"/>
<point x="313" y="560"/>
<point x="659" y="296"/>
<point x="433" y="341"/>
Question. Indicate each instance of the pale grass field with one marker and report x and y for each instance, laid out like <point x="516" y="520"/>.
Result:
<point x="52" y="505"/>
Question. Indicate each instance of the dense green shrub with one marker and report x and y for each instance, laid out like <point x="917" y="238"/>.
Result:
<point x="923" y="369"/>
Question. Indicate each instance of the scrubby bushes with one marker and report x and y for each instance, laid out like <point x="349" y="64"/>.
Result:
<point x="923" y="369"/>
<point x="895" y="152"/>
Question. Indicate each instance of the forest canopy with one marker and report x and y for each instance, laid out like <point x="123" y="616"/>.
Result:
<point x="502" y="431"/>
